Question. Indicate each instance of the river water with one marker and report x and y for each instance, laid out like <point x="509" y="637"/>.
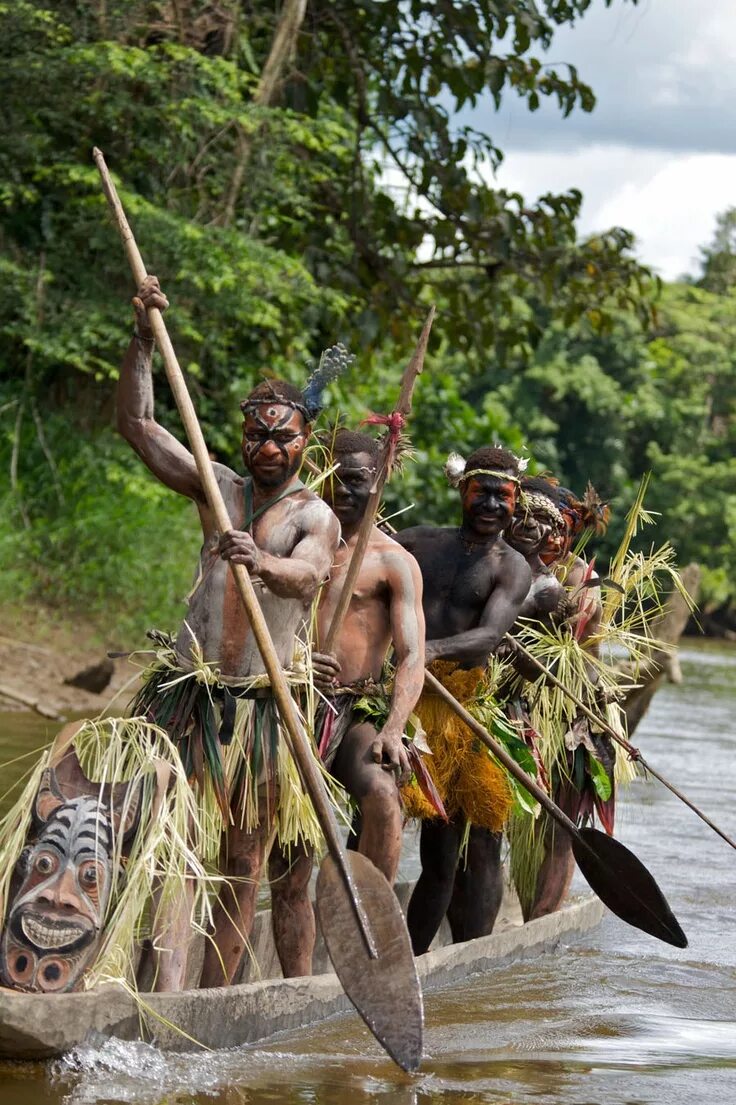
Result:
<point x="615" y="1019"/>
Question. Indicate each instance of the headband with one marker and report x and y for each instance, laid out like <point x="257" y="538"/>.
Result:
<point x="457" y="474"/>
<point x="536" y="503"/>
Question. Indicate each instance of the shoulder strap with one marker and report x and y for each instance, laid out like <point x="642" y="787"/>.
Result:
<point x="250" y="514"/>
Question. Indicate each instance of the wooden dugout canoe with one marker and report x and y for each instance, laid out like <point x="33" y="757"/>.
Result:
<point x="43" y="1026"/>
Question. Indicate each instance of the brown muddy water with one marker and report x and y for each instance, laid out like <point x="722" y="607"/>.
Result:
<point x="616" y="1019"/>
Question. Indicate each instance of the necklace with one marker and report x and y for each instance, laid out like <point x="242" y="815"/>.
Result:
<point x="470" y="544"/>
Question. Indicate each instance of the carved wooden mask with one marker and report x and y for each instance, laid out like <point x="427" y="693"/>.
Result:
<point x="54" y="922"/>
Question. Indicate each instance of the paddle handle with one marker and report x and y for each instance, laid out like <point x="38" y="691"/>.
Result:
<point x="503" y="756"/>
<point x="633" y="752"/>
<point x="298" y="742"/>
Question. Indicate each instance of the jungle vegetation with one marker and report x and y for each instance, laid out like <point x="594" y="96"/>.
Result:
<point x="296" y="175"/>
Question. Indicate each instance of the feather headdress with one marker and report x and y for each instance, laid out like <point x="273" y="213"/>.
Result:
<point x="596" y="513"/>
<point x="333" y="362"/>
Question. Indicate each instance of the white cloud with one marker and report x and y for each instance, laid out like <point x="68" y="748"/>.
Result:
<point x="658" y="153"/>
<point x="663" y="71"/>
<point x="668" y="201"/>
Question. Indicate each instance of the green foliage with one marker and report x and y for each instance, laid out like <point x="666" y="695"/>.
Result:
<point x="96" y="535"/>
<point x="718" y="258"/>
<point x="339" y="210"/>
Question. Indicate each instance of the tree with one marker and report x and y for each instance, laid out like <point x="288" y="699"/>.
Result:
<point x="718" y="259"/>
<point x="295" y="174"/>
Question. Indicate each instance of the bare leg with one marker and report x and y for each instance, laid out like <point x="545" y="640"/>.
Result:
<point x="439" y="848"/>
<point x="241" y="860"/>
<point x="292" y="914"/>
<point x="172" y="936"/>
<point x="478" y="889"/>
<point x="377" y="794"/>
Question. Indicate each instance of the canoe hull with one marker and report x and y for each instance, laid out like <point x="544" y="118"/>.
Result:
<point x="40" y="1027"/>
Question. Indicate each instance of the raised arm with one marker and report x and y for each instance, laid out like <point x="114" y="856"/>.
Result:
<point x="474" y="646"/>
<point x="159" y="450"/>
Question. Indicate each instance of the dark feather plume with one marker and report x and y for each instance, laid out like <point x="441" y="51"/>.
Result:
<point x="333" y="362"/>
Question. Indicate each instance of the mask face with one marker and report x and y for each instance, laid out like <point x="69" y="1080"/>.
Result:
<point x="55" y="920"/>
<point x="54" y="923"/>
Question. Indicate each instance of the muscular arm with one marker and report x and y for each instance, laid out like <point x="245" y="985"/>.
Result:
<point x="300" y="574"/>
<point x="159" y="450"/>
<point x="407" y="632"/>
<point x="474" y="646"/>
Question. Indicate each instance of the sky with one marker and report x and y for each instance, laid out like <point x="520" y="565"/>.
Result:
<point x="658" y="153"/>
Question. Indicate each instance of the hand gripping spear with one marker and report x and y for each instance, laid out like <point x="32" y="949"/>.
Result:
<point x="368" y="942"/>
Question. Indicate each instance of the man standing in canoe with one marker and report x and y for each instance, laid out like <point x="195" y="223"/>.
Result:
<point x="210" y="688"/>
<point x="474" y="586"/>
<point x="360" y="727"/>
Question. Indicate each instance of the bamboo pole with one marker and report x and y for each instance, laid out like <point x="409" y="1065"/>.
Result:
<point x="298" y="741"/>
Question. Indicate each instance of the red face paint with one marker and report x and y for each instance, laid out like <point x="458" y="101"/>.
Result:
<point x="274" y="437"/>
<point x="488" y="504"/>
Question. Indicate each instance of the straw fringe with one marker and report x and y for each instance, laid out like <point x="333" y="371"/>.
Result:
<point x="468" y="779"/>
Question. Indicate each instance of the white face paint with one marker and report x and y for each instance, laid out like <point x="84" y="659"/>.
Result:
<point x="274" y="437"/>
<point x="54" y="923"/>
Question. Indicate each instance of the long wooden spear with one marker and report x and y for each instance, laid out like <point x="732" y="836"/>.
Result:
<point x="388" y="966"/>
<point x="633" y="752"/>
<point x="394" y="422"/>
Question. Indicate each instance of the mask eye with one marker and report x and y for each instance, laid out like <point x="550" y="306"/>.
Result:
<point x="45" y="864"/>
<point x="88" y="876"/>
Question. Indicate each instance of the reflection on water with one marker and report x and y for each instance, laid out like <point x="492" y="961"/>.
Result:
<point x="617" y="1019"/>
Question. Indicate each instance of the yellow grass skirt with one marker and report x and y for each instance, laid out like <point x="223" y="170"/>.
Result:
<point x="469" y="781"/>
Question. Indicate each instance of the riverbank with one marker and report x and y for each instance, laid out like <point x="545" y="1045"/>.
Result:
<point x="43" y="648"/>
<point x="41" y="651"/>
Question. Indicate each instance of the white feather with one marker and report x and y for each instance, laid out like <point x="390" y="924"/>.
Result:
<point x="454" y="468"/>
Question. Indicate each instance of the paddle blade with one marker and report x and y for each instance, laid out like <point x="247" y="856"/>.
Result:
<point x="385" y="990"/>
<point x="623" y="883"/>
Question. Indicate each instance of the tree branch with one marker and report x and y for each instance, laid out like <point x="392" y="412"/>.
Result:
<point x="282" y="49"/>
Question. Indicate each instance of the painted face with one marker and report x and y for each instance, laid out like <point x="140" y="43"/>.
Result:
<point x="558" y="542"/>
<point x="348" y="490"/>
<point x="55" y="920"/>
<point x="488" y="504"/>
<point x="527" y="533"/>
<point x="532" y="531"/>
<point x="274" y="437"/>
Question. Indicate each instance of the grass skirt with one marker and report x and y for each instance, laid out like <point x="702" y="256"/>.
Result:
<point x="469" y="781"/>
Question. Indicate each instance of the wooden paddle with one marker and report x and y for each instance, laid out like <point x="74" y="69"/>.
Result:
<point x="619" y="879"/>
<point x="633" y="752"/>
<point x="369" y="948"/>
